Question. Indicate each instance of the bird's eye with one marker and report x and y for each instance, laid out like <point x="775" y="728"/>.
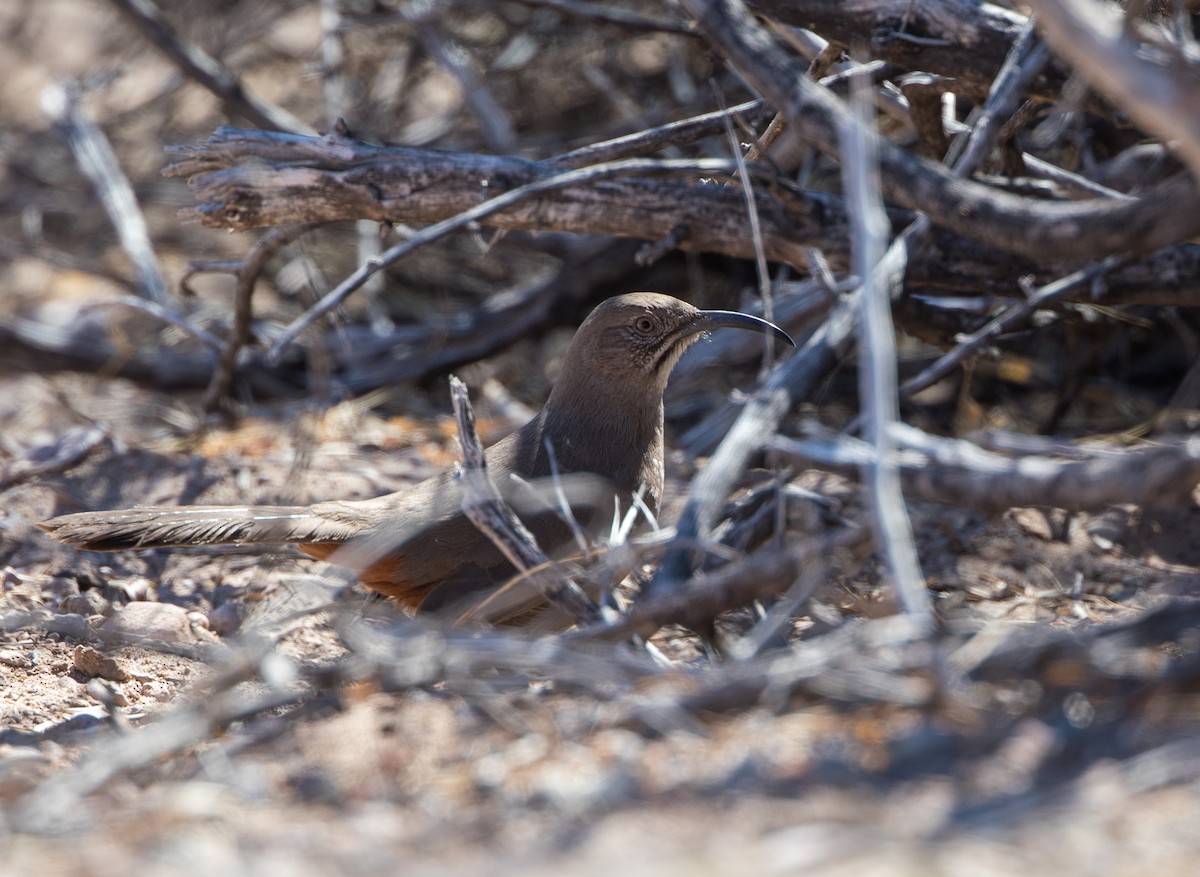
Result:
<point x="645" y="325"/>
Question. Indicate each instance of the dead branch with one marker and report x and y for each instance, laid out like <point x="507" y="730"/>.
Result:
<point x="1021" y="66"/>
<point x="487" y="510"/>
<point x="563" y="180"/>
<point x="206" y="70"/>
<point x="1156" y="84"/>
<point x="85" y="346"/>
<point x="247" y="274"/>
<point x="961" y="40"/>
<point x="613" y="15"/>
<point x="761" y="576"/>
<point x="335" y="179"/>
<point x="364" y="360"/>
<point x="959" y="472"/>
<point x="878" y="400"/>
<point x="493" y="121"/>
<point x="98" y="162"/>
<point x="1004" y="322"/>
<point x="876" y="661"/>
<point x="654" y="139"/>
<point x="1020" y="225"/>
<point x="248" y="179"/>
<point x="787" y="384"/>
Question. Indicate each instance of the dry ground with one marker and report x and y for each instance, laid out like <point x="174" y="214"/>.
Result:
<point x="431" y="780"/>
<point x="440" y="780"/>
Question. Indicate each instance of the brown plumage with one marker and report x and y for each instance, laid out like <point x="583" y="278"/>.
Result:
<point x="604" y="421"/>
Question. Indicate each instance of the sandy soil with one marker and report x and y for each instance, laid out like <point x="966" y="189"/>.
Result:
<point x="113" y="761"/>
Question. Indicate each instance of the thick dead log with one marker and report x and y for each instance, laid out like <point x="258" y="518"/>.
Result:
<point x="250" y="179"/>
<point x="254" y="179"/>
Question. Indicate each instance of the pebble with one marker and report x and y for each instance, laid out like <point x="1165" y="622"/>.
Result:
<point x="91" y="663"/>
<point x="198" y="619"/>
<point x="160" y="691"/>
<point x="87" y="603"/>
<point x="127" y="590"/>
<point x="164" y="622"/>
<point x="71" y="625"/>
<point x="13" y="658"/>
<point x="227" y="618"/>
<point x="60" y="587"/>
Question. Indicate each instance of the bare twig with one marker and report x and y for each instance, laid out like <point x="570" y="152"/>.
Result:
<point x="1021" y="67"/>
<point x="169" y="315"/>
<point x="248" y="272"/>
<point x="964" y="39"/>
<point x="917" y="233"/>
<point x="247" y="179"/>
<point x="206" y="70"/>
<point x="97" y="160"/>
<point x="789" y="381"/>
<point x="486" y="509"/>
<point x="763" y="575"/>
<point x="972" y="209"/>
<point x="29" y="344"/>
<point x="1155" y="84"/>
<point x="654" y="139"/>
<point x="614" y="15"/>
<point x="959" y="472"/>
<point x="1010" y="318"/>
<point x="333" y="53"/>
<point x="760" y="256"/>
<point x="1073" y="185"/>
<point x="368" y="360"/>
<point x="877" y="360"/>
<point x="559" y="181"/>
<point x="493" y="121"/>
<point x="924" y="93"/>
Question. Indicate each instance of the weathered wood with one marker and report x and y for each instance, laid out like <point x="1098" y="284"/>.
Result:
<point x="247" y="179"/>
<point x="1166" y="215"/>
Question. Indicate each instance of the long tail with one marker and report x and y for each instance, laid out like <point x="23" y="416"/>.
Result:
<point x="195" y="525"/>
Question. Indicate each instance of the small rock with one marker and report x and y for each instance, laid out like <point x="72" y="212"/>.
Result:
<point x="91" y="663"/>
<point x="160" y="691"/>
<point x="1110" y="529"/>
<point x="60" y="587"/>
<point x="71" y="625"/>
<point x="87" y="603"/>
<point x="315" y="787"/>
<point x="227" y="618"/>
<point x="127" y="590"/>
<point x="157" y="621"/>
<point x="198" y="619"/>
<point x="13" y="658"/>
<point x="88" y="577"/>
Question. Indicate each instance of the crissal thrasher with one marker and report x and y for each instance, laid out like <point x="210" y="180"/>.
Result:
<point x="603" y="422"/>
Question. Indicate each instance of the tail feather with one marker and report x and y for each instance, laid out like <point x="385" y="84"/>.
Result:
<point x="194" y="525"/>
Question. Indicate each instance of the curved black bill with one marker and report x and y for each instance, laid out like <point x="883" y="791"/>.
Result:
<point x="738" y="320"/>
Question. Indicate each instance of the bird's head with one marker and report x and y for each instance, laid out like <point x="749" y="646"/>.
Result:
<point x="640" y="336"/>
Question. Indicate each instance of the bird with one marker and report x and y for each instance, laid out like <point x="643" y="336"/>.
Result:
<point x="600" y="431"/>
